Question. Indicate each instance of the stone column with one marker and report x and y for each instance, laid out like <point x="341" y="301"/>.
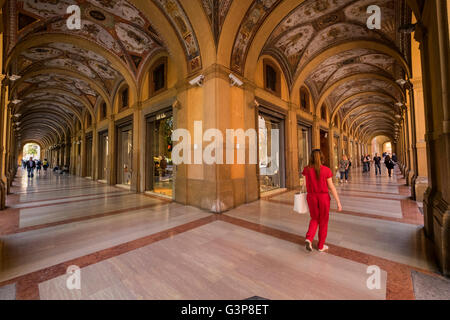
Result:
<point x="316" y="132"/>
<point x="137" y="134"/>
<point x="3" y="179"/>
<point x="407" y="146"/>
<point x="292" y="170"/>
<point x="415" y="172"/>
<point x="433" y="34"/>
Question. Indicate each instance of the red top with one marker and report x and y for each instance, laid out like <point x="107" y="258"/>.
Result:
<point x="314" y="185"/>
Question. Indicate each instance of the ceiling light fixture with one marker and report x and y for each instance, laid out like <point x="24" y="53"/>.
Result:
<point x="401" y="82"/>
<point x="16" y="101"/>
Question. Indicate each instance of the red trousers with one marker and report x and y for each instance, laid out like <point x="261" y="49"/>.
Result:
<point x="319" y="209"/>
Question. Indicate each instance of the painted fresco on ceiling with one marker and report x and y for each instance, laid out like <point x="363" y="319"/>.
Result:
<point x="253" y="19"/>
<point x="114" y="25"/>
<point x="331" y="22"/>
<point x="216" y="11"/>
<point x="362" y="85"/>
<point x="180" y="21"/>
<point x="69" y="56"/>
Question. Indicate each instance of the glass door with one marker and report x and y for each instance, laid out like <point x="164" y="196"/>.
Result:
<point x="159" y="165"/>
<point x="103" y="155"/>
<point x="271" y="153"/>
<point x="125" y="154"/>
<point x="304" y="147"/>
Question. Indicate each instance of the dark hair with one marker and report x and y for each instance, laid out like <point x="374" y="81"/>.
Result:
<point x="316" y="160"/>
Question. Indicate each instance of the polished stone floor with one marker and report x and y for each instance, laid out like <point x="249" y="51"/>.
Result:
<point x="131" y="246"/>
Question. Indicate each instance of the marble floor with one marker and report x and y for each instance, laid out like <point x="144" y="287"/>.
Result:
<point x="135" y="246"/>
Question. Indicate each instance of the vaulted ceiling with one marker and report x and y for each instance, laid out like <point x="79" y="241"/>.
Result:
<point x="323" y="45"/>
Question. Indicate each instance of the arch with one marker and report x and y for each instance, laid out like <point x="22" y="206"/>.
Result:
<point x="68" y="73"/>
<point x="361" y="95"/>
<point x="366" y="114"/>
<point x="262" y="34"/>
<point x="85" y="103"/>
<point x="66" y="118"/>
<point x="358" y="77"/>
<point x="166" y="31"/>
<point x="171" y="73"/>
<point x="348" y="114"/>
<point x="36" y="40"/>
<point x="43" y="119"/>
<point x="362" y="44"/>
<point x="32" y="103"/>
<point x="202" y="29"/>
<point x="232" y="24"/>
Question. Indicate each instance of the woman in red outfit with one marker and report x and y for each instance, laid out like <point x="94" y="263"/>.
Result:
<point x="319" y="181"/>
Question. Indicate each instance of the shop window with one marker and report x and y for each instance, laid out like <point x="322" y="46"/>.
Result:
<point x="304" y="99"/>
<point x="272" y="78"/>
<point x="158" y="76"/>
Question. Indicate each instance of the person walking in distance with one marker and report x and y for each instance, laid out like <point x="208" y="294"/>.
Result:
<point x="377" y="162"/>
<point x="30" y="167"/>
<point x="344" y="166"/>
<point x="319" y="181"/>
<point x="389" y="165"/>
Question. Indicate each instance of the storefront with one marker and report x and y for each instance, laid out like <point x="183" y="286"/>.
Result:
<point x="304" y="145"/>
<point x="271" y="150"/>
<point x="89" y="155"/>
<point x="159" y="166"/>
<point x="103" y="153"/>
<point x="324" y="147"/>
<point x="124" y="152"/>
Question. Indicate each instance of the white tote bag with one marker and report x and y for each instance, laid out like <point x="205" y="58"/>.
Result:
<point x="300" y="203"/>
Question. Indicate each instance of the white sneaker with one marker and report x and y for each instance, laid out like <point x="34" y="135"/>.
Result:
<point x="325" y="248"/>
<point x="308" y="245"/>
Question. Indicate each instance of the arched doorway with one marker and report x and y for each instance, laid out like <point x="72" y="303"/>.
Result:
<point x="31" y="150"/>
